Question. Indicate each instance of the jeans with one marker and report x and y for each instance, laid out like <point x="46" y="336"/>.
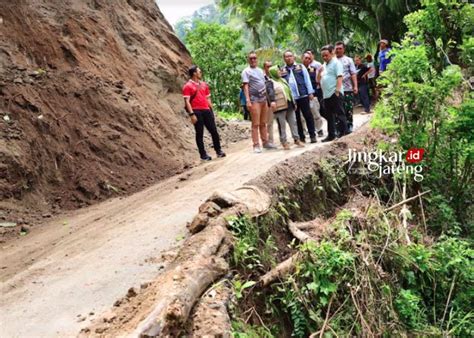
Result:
<point x="334" y="108"/>
<point x="205" y="118"/>
<point x="364" y="96"/>
<point x="305" y="109"/>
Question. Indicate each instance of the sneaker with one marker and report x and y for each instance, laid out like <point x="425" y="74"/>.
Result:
<point x="286" y="146"/>
<point x="220" y="154"/>
<point x="320" y="133"/>
<point x="329" y="139"/>
<point x="257" y="149"/>
<point x="206" y="158"/>
<point x="299" y="144"/>
<point x="313" y="140"/>
<point x="269" y="145"/>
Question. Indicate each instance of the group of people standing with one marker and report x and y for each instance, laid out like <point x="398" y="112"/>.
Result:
<point x="297" y="94"/>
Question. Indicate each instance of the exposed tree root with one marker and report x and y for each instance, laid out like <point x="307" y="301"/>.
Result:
<point x="314" y="230"/>
<point x="297" y="233"/>
<point x="163" y="308"/>
<point x="284" y="268"/>
<point x="180" y="289"/>
<point x="247" y="199"/>
<point x="210" y="317"/>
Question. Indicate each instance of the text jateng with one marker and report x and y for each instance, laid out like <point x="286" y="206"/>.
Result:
<point x="389" y="163"/>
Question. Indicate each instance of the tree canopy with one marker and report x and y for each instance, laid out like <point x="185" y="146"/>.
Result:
<point x="314" y="23"/>
<point x="217" y="50"/>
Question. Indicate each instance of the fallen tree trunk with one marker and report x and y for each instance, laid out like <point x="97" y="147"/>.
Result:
<point x="193" y="270"/>
<point x="247" y="199"/>
<point x="163" y="307"/>
<point x="180" y="289"/>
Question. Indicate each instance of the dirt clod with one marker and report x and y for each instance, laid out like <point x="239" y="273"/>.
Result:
<point x="199" y="222"/>
<point x="210" y="208"/>
<point x="131" y="293"/>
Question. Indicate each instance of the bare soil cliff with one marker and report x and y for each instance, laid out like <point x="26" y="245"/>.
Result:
<point x="90" y="103"/>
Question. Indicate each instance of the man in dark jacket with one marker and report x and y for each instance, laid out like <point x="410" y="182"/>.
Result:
<point x="300" y="84"/>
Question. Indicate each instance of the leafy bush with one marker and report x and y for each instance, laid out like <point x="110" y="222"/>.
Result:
<point x="323" y="272"/>
<point x="417" y="107"/>
<point x="436" y="285"/>
<point x="444" y="26"/>
<point x="254" y="247"/>
<point x="369" y="280"/>
<point x="410" y="308"/>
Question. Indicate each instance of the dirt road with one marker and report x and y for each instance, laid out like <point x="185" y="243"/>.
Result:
<point x="64" y="274"/>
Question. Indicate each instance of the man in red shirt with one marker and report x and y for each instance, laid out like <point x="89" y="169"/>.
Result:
<point x="197" y="98"/>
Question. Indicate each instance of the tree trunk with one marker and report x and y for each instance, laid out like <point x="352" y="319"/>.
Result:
<point x="196" y="267"/>
<point x="325" y="27"/>
<point x="180" y="290"/>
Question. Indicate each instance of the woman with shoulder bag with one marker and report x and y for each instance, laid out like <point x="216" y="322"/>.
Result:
<point x="284" y="108"/>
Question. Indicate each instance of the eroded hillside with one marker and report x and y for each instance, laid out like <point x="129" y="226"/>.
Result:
<point x="90" y="102"/>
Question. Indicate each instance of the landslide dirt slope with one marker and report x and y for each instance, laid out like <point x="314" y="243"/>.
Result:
<point x="90" y="102"/>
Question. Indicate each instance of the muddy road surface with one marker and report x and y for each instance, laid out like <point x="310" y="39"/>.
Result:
<point x="59" y="277"/>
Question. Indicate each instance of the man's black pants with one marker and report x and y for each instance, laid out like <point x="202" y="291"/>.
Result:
<point x="205" y="118"/>
<point x="305" y="109"/>
<point x="334" y="107"/>
<point x="319" y="95"/>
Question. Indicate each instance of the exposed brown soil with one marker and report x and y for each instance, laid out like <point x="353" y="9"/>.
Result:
<point x="90" y="104"/>
<point x="288" y="173"/>
<point x="81" y="261"/>
<point x="132" y="310"/>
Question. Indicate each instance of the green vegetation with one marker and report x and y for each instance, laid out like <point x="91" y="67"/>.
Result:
<point x="230" y="115"/>
<point x="387" y="272"/>
<point x="254" y="247"/>
<point x="218" y="52"/>
<point x="362" y="277"/>
<point x="426" y="105"/>
<point x="312" y="24"/>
